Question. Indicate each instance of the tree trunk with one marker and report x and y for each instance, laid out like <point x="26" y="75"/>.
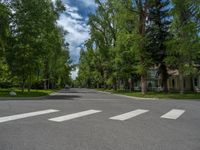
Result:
<point x="46" y="74"/>
<point x="164" y="77"/>
<point x="165" y="86"/>
<point x="144" y="83"/>
<point x="29" y="84"/>
<point x="45" y="84"/>
<point x="115" y="84"/>
<point x="192" y="86"/>
<point x="23" y="85"/>
<point x="181" y="82"/>
<point x="48" y="83"/>
<point x="142" y="20"/>
<point x="132" y="85"/>
<point x="126" y="85"/>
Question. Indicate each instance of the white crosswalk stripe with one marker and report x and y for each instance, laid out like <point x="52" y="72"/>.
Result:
<point x="75" y="115"/>
<point x="173" y="114"/>
<point x="26" y="115"/>
<point x="129" y="115"/>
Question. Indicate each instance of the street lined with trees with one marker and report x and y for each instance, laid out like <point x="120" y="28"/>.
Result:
<point x="33" y="50"/>
<point x="129" y="38"/>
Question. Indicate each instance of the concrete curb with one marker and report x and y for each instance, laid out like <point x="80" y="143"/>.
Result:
<point x="104" y="92"/>
<point x="137" y="98"/>
<point x="141" y="98"/>
<point x="132" y="97"/>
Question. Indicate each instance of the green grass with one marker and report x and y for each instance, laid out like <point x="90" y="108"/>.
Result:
<point x="32" y="93"/>
<point x="159" y="95"/>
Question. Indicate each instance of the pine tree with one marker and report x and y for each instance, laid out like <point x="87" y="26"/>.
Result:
<point x="158" y="33"/>
<point x="184" y="47"/>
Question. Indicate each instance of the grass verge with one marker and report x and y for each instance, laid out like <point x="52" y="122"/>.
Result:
<point x="32" y="93"/>
<point x="159" y="95"/>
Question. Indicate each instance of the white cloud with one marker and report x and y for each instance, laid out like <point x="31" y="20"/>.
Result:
<point x="74" y="74"/>
<point x="78" y="31"/>
<point x="70" y="8"/>
<point x="75" y="15"/>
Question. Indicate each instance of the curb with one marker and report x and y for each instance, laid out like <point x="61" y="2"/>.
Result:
<point x="136" y="98"/>
<point x="141" y="98"/>
<point x="104" y="92"/>
<point x="132" y="97"/>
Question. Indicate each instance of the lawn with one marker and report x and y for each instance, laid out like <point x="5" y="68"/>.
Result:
<point x="32" y="93"/>
<point x="159" y="95"/>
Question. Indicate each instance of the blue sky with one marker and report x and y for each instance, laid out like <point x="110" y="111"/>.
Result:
<point x="74" y="20"/>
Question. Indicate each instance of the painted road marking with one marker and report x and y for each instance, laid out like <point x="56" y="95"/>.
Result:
<point x="173" y="114"/>
<point x="129" y="115"/>
<point x="26" y="115"/>
<point x="75" y="115"/>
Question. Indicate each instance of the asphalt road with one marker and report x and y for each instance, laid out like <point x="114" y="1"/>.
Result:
<point x="82" y="119"/>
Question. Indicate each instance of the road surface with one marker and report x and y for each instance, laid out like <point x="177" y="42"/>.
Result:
<point x="83" y="119"/>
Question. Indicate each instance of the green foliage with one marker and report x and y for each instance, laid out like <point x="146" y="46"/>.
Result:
<point x="4" y="27"/>
<point x="37" y="52"/>
<point x="184" y="47"/>
<point x="129" y="37"/>
<point x="33" y="93"/>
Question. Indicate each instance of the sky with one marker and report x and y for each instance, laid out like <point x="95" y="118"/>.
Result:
<point x="74" y="20"/>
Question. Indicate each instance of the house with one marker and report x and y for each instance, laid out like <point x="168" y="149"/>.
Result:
<point x="154" y="81"/>
<point x="191" y="83"/>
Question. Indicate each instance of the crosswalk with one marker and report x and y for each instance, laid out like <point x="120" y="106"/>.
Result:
<point x="75" y="115"/>
<point x="26" y="115"/>
<point x="129" y="115"/>
<point x="172" y="114"/>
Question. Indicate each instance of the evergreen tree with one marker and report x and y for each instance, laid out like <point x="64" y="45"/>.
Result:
<point x="158" y="33"/>
<point x="4" y="27"/>
<point x="184" y="47"/>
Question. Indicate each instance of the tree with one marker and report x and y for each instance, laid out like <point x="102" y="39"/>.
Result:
<point x="5" y="80"/>
<point x="103" y="36"/>
<point x="141" y="8"/>
<point x="84" y="69"/>
<point x="158" y="33"/>
<point x="184" y="47"/>
<point x="124" y="61"/>
<point x="4" y="27"/>
<point x="118" y="35"/>
<point x="35" y="39"/>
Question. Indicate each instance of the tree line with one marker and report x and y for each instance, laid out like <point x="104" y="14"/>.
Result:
<point x="128" y="37"/>
<point x="33" y="51"/>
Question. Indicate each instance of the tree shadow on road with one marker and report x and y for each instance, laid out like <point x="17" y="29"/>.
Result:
<point x="62" y="97"/>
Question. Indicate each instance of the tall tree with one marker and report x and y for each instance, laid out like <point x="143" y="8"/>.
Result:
<point x="103" y="36"/>
<point x="158" y="33"/>
<point x="4" y="40"/>
<point x="184" y="47"/>
<point x="124" y="56"/>
<point x="4" y="26"/>
<point x="141" y="9"/>
<point x="35" y="39"/>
